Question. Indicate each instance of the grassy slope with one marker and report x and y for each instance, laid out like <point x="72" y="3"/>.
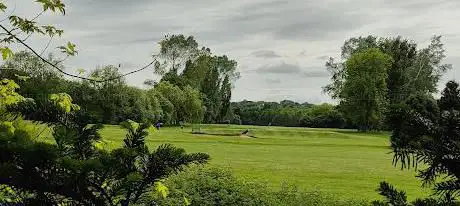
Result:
<point x="340" y="162"/>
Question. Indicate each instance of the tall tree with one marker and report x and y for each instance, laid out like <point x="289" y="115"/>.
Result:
<point x="212" y="101"/>
<point x="195" y="71"/>
<point x="226" y="96"/>
<point x="450" y="98"/>
<point x="175" y="51"/>
<point x="403" y="52"/>
<point x="363" y="95"/>
<point x="427" y="133"/>
<point x="192" y="105"/>
<point x="412" y="70"/>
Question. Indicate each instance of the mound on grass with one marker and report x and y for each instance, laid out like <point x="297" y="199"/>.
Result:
<point x="245" y="133"/>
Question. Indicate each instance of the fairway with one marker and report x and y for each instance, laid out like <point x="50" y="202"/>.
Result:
<point x="340" y="162"/>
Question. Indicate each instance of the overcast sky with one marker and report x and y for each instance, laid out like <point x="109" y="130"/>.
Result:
<point x="280" y="46"/>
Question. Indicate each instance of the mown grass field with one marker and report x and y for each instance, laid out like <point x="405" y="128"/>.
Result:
<point x="339" y="162"/>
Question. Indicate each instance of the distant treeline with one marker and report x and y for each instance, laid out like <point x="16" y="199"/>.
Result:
<point x="171" y="100"/>
<point x="288" y="113"/>
<point x="195" y="86"/>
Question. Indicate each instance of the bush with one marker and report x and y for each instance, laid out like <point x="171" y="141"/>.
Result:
<point x="213" y="186"/>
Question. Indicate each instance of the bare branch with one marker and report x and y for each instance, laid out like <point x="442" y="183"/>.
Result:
<point x="72" y="75"/>
<point x="8" y="16"/>
<point x="27" y="37"/>
<point x="38" y="15"/>
<point x="47" y="45"/>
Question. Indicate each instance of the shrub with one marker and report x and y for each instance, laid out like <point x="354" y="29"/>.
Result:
<point x="214" y="186"/>
<point x="211" y="186"/>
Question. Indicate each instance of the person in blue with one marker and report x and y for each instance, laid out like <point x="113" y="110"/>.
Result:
<point x="158" y="125"/>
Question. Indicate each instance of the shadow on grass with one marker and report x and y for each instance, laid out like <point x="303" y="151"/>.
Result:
<point x="224" y="134"/>
<point x="356" y="132"/>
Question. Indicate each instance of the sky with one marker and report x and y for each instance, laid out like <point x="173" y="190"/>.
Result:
<point x="280" y="46"/>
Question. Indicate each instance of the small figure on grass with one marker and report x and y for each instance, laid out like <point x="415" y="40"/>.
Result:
<point x="158" y="125"/>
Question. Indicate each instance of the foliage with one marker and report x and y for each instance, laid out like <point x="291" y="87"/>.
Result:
<point x="175" y="50"/>
<point x="393" y="197"/>
<point x="74" y="170"/>
<point x="412" y="71"/>
<point x="8" y="94"/>
<point x="186" y="103"/>
<point x="323" y="116"/>
<point x="287" y="113"/>
<point x="364" y="88"/>
<point x="183" y="64"/>
<point x="213" y="186"/>
<point x="22" y="28"/>
<point x="226" y="96"/>
<point x="38" y="80"/>
<point x="63" y="101"/>
<point x="427" y="133"/>
<point x="212" y="100"/>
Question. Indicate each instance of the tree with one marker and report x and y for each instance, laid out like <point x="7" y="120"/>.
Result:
<point x="412" y="70"/>
<point x="38" y="79"/>
<point x="212" y="100"/>
<point x="195" y="71"/>
<point x="175" y="50"/>
<point x="184" y="104"/>
<point x="403" y="52"/>
<point x="427" y="133"/>
<point x="323" y="116"/>
<point x="287" y="113"/>
<point x="108" y="101"/>
<point x="226" y="95"/>
<point x="165" y="108"/>
<point x="183" y="64"/>
<point x="74" y="170"/>
<point x="393" y="197"/>
<point x="450" y="98"/>
<point x="363" y="95"/>
<point x="192" y="105"/>
<point x="175" y="96"/>
<point x="226" y="67"/>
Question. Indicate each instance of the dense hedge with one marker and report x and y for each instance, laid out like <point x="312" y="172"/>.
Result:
<point x="213" y="186"/>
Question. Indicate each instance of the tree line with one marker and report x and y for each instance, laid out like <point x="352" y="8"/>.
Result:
<point x="195" y="86"/>
<point x="200" y="93"/>
<point x="381" y="83"/>
<point x="288" y="113"/>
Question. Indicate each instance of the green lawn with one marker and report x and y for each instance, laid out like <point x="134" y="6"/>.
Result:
<point x="340" y="162"/>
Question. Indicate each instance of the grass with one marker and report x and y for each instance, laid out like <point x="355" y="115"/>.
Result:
<point x="340" y="162"/>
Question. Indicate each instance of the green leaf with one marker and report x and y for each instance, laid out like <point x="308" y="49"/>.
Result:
<point x="6" y="53"/>
<point x="161" y="189"/>
<point x="81" y="71"/>
<point x="69" y="49"/>
<point x="186" y="202"/>
<point x="2" y="6"/>
<point x="52" y="5"/>
<point x="64" y="102"/>
<point x="22" y="78"/>
<point x="7" y="127"/>
<point x="8" y="94"/>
